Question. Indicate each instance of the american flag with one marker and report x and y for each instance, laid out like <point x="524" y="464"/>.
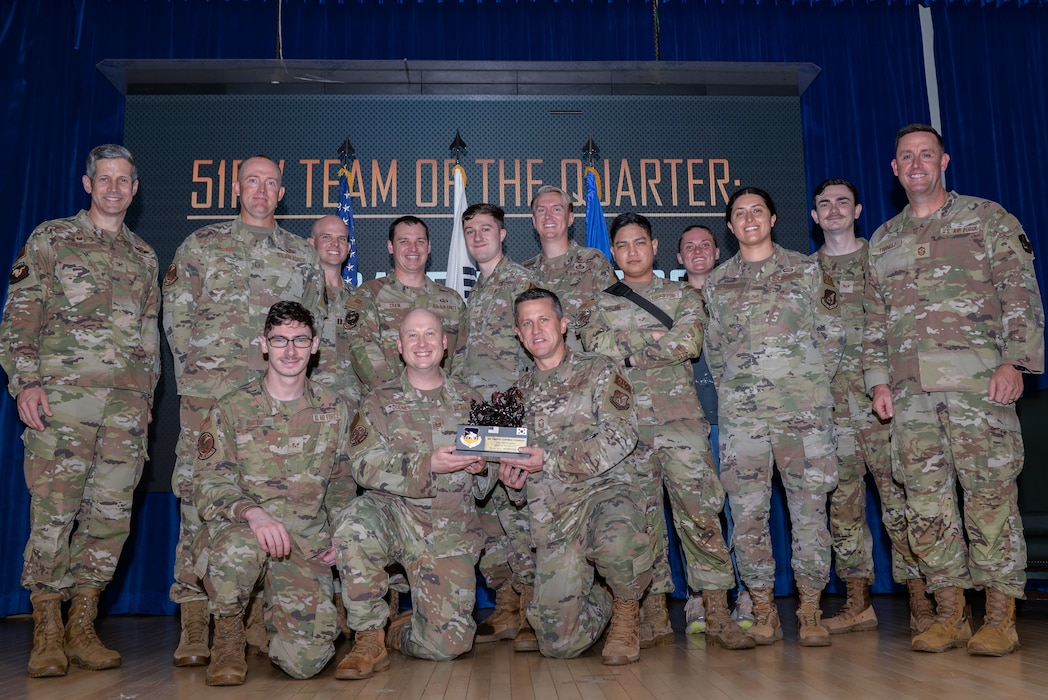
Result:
<point x="345" y="210"/>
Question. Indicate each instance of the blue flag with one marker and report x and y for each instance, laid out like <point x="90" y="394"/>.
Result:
<point x="345" y="211"/>
<point x="596" y="226"/>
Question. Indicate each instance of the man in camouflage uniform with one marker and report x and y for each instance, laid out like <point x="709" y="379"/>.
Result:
<point x="81" y="352"/>
<point x="374" y="313"/>
<point x="417" y="510"/>
<point x="673" y="449"/>
<point x="954" y="319"/>
<point x="334" y="368"/>
<point x="774" y="340"/>
<point x="217" y="292"/>
<point x="583" y="499"/>
<point x="862" y="437"/>
<point x="492" y="360"/>
<point x="272" y="465"/>
<point x="574" y="273"/>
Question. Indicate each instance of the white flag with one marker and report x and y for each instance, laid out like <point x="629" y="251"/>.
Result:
<point x="462" y="273"/>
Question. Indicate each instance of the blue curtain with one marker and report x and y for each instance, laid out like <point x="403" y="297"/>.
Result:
<point x="991" y="74"/>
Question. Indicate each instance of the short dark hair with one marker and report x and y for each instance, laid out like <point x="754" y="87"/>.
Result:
<point x="830" y="183"/>
<point x="410" y="221"/>
<point x="483" y="208"/>
<point x="629" y="218"/>
<point x="749" y="190"/>
<point x="534" y="294"/>
<point x="918" y="129"/>
<point x="284" y="311"/>
<point x="106" y="151"/>
<point x="698" y="227"/>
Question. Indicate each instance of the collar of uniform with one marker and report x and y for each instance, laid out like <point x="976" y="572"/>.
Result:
<point x="239" y="230"/>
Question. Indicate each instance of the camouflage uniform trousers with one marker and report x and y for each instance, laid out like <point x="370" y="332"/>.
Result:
<point x="802" y="446"/>
<point x="864" y="445"/>
<point x="187" y="587"/>
<point x="940" y="439"/>
<point x="569" y="612"/>
<point x="374" y="533"/>
<point x="676" y="457"/>
<point x="83" y="469"/>
<point x="507" y="555"/>
<point x="297" y="593"/>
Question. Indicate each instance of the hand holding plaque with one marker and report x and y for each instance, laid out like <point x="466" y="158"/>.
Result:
<point x="496" y="427"/>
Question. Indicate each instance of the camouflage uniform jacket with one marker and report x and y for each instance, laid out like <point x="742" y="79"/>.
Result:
<point x="849" y="389"/>
<point x="290" y="460"/>
<point x="82" y="310"/>
<point x="373" y="316"/>
<point x="950" y="298"/>
<point x="392" y="439"/>
<point x="217" y="293"/>
<point x="661" y="376"/>
<point x="582" y="414"/>
<point x="492" y="356"/>
<point x="576" y="277"/>
<point x="334" y="367"/>
<point x="774" y="337"/>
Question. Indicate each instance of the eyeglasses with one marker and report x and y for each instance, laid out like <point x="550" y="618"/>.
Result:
<point x="279" y="341"/>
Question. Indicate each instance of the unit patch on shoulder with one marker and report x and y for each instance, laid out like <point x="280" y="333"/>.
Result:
<point x="352" y="318"/>
<point x="357" y="432"/>
<point x="1025" y="243"/>
<point x="19" y="272"/>
<point x="583" y="318"/>
<point x="620" y="400"/>
<point x="172" y="274"/>
<point x="205" y="446"/>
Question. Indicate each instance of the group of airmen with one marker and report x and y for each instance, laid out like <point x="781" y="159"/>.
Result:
<point x="319" y="421"/>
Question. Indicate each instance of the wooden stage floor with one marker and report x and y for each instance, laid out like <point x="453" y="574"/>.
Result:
<point x="863" y="665"/>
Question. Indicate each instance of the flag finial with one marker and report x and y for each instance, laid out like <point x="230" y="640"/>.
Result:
<point x="590" y="150"/>
<point x="457" y="146"/>
<point x="346" y="152"/>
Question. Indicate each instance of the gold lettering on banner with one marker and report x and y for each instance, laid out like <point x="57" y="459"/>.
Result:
<point x="625" y="186"/>
<point x="647" y="183"/>
<point x="387" y="188"/>
<point x="420" y="166"/>
<point x="505" y="181"/>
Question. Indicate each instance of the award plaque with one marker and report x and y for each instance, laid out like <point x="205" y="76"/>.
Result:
<point x="496" y="427"/>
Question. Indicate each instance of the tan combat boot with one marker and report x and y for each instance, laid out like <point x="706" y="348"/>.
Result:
<point x="809" y="619"/>
<point x="48" y="655"/>
<point x="766" y="628"/>
<point x="622" y="644"/>
<point x="228" y="664"/>
<point x="655" y="627"/>
<point x="922" y="613"/>
<point x="951" y="628"/>
<point x="367" y="657"/>
<point x="504" y="622"/>
<point x="857" y="615"/>
<point x="997" y="636"/>
<point x="720" y="628"/>
<point x="525" y="639"/>
<point x="255" y="631"/>
<point x="82" y="645"/>
<point x="398" y="631"/>
<point x="193" y="649"/>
